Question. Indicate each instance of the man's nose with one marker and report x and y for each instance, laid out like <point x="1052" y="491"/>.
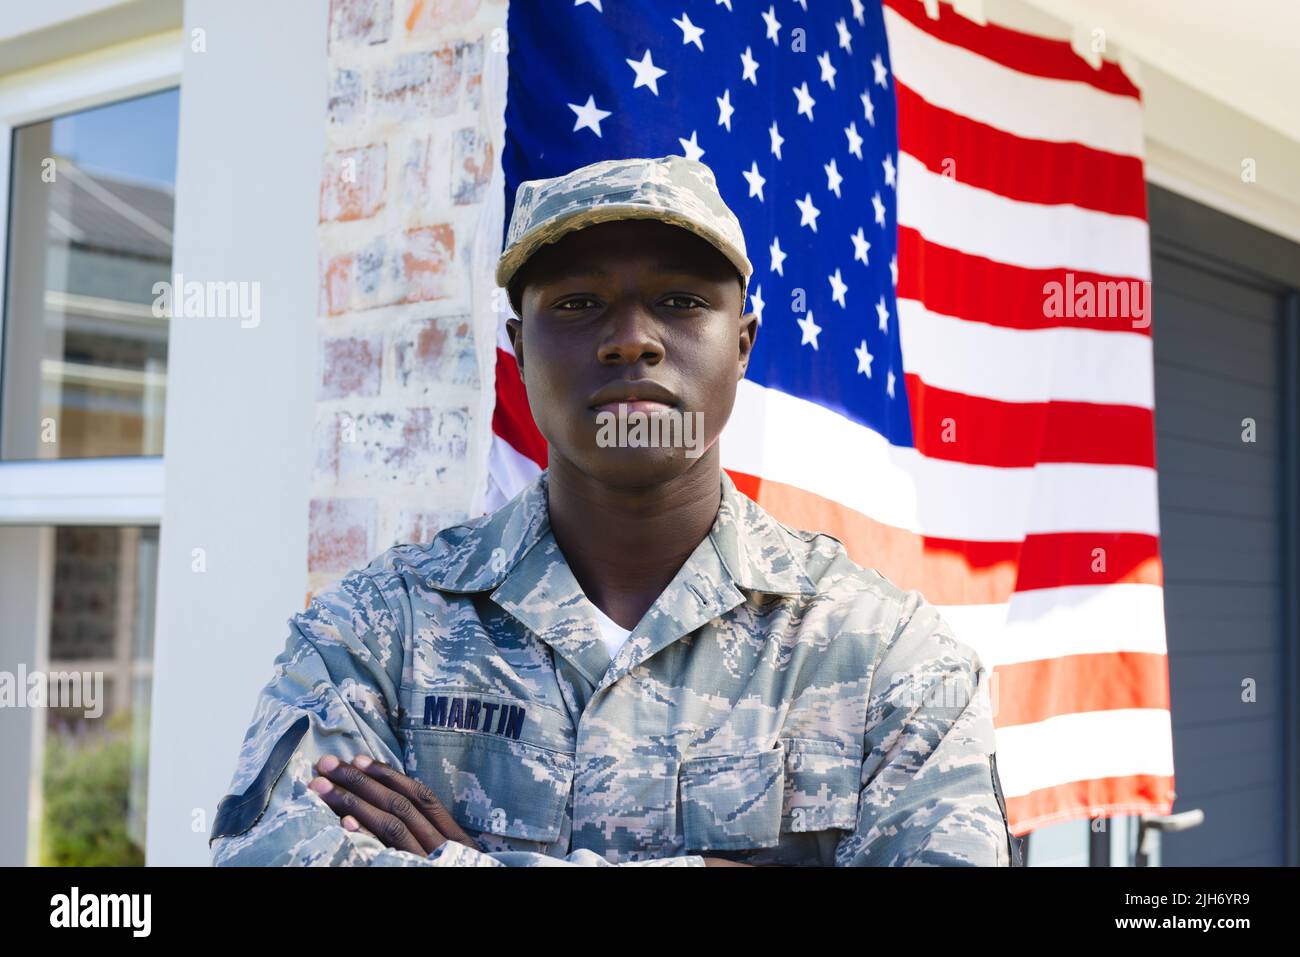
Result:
<point x="630" y="334"/>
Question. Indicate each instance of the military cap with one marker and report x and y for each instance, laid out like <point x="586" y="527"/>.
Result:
<point x="672" y="189"/>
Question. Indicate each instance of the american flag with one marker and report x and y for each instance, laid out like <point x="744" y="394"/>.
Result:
<point x="910" y="185"/>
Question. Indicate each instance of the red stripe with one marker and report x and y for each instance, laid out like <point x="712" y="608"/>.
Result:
<point x="1098" y="797"/>
<point x="957" y="427"/>
<point x="1033" y="691"/>
<point x="512" y="419"/>
<point x="965" y="286"/>
<point x="958" y="572"/>
<point x="1030" y="171"/>
<point x="1035" y="55"/>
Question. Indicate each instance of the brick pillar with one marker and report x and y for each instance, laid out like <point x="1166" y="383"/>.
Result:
<point x="410" y="227"/>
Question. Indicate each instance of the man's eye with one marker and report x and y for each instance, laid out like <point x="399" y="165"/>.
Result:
<point x="683" y="302"/>
<point x="576" y="302"/>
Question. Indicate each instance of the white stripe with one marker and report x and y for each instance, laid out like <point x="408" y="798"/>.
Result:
<point x="787" y="439"/>
<point x="1057" y="622"/>
<point x="1026" y="365"/>
<point x="1084" y="746"/>
<point x="1034" y="107"/>
<point x="1034" y="235"/>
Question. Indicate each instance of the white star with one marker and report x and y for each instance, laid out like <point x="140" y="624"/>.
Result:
<point x="772" y="26"/>
<point x="725" y="109"/>
<point x="893" y="269"/>
<point x="803" y="3"/>
<point x="777" y="140"/>
<point x="846" y="38"/>
<point x="589" y="115"/>
<point x="889" y="170"/>
<point x="692" y="148"/>
<point x="594" y="3"/>
<point x="810" y="330"/>
<point x="691" y="33"/>
<point x="869" y="108"/>
<point x="718" y="3"/>
<point x="883" y="314"/>
<point x="778" y="257"/>
<point x="828" y="71"/>
<point x="864" y="358"/>
<point x="857" y="13"/>
<point x="756" y="300"/>
<point x="889" y="387"/>
<point x="838" y="289"/>
<point x="805" y="99"/>
<point x="750" y="67"/>
<point x="860" y="246"/>
<point x="880" y="209"/>
<point x="808" y="213"/>
<point x="855" y="141"/>
<point x="878" y="65"/>
<point x="647" y="74"/>
<point x="754" y="179"/>
<point x="833" y="177"/>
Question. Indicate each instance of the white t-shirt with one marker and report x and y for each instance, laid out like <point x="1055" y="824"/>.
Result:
<point x="611" y="631"/>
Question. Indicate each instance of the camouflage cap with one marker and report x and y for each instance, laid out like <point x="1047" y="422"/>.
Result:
<point x="671" y="188"/>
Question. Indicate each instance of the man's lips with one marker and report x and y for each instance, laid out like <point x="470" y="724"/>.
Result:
<point x="647" y="406"/>
<point x="634" y="395"/>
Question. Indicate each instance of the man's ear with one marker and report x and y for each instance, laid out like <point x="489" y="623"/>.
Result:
<point x="748" y="333"/>
<point x="515" y="330"/>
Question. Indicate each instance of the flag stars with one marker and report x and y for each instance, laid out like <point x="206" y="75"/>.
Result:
<point x="777" y="139"/>
<point x="773" y="27"/>
<point x="647" y="74"/>
<point x="878" y="65"/>
<point x="882" y="314"/>
<point x="879" y="208"/>
<point x="846" y="38"/>
<point x="869" y="108"/>
<point x="690" y="147"/>
<point x="725" y="109"/>
<point x="755" y="180"/>
<point x="893" y="269"/>
<point x="889" y="384"/>
<point x="838" y="288"/>
<point x="805" y="99"/>
<point x="594" y="3"/>
<point x="757" y="304"/>
<point x="808" y="213"/>
<point x="589" y="115"/>
<point x="833" y="177"/>
<point x="864" y="358"/>
<point x="810" y="330"/>
<point x="855" y="141"/>
<point x="778" y="257"/>
<point x="828" y="71"/>
<point x="889" y="169"/>
<point x="858" y="11"/>
<point x="860" y="246"/>
<point x="749" y="67"/>
<point x="691" y="33"/>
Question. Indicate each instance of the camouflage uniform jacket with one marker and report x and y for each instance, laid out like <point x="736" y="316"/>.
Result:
<point x="778" y="704"/>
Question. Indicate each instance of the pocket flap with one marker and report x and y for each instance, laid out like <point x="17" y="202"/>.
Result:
<point x="822" y="783"/>
<point x="732" y="801"/>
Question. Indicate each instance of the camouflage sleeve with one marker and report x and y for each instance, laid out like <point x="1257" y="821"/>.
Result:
<point x="333" y="688"/>
<point x="930" y="794"/>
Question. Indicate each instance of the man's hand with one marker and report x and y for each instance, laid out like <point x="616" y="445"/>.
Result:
<point x="398" y="811"/>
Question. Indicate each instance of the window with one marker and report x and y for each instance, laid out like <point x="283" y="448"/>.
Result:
<point x="90" y="233"/>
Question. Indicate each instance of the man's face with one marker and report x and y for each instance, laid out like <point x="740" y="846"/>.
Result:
<point x="639" y="307"/>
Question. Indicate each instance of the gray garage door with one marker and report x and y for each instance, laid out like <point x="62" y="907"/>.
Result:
<point x="1221" y="357"/>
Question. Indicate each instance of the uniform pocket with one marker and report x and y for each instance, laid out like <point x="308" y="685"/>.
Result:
<point x="494" y="784"/>
<point x="821" y="786"/>
<point x="732" y="801"/>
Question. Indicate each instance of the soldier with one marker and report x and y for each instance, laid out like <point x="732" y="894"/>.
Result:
<point x="631" y="662"/>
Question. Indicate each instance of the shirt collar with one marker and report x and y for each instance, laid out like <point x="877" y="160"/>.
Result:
<point x="754" y="549"/>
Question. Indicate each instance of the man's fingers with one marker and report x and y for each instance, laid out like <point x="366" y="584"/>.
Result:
<point x="421" y="796"/>
<point x="388" y="828"/>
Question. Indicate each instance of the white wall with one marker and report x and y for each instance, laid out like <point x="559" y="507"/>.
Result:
<point x="239" y="411"/>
